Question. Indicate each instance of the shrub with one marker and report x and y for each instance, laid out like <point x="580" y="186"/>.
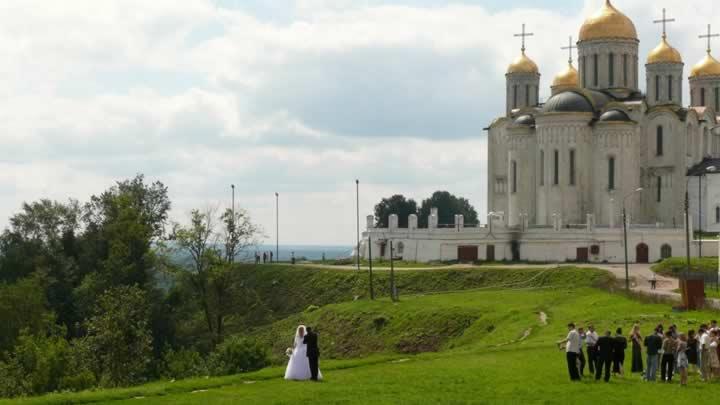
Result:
<point x="36" y="365"/>
<point x="237" y="355"/>
<point x="674" y="266"/>
<point x="312" y="308"/>
<point x="183" y="363"/>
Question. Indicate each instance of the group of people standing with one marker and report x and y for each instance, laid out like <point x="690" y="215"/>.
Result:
<point x="672" y="351"/>
<point x="267" y="257"/>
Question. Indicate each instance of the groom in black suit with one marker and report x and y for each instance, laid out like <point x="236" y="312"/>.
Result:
<point x="313" y="352"/>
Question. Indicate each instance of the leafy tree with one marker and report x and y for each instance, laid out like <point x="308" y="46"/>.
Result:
<point x="23" y="306"/>
<point x="396" y="204"/>
<point x="448" y="206"/>
<point x="118" y="336"/>
<point x="211" y="276"/>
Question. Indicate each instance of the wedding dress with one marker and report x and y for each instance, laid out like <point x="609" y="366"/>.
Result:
<point x="298" y="367"/>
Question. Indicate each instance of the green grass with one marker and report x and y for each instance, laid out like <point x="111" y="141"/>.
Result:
<point x="675" y="266"/>
<point x="492" y="348"/>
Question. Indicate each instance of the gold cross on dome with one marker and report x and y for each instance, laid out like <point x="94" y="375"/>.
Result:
<point x="664" y="22"/>
<point x="570" y="48"/>
<point x="709" y="37"/>
<point x="523" y="35"/>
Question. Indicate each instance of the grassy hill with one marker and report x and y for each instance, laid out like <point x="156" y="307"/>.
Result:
<point x="483" y="345"/>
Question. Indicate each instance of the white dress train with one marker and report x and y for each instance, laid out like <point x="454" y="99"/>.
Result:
<point x="298" y="367"/>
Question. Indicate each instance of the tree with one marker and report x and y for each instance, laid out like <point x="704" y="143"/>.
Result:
<point x="210" y="272"/>
<point x="119" y="337"/>
<point x="448" y="206"/>
<point x="396" y="204"/>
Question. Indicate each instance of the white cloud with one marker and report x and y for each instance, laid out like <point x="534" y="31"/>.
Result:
<point x="200" y="96"/>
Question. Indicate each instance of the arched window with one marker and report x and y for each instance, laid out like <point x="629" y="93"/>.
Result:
<point x="584" y="71"/>
<point x="659" y="189"/>
<point x="659" y="141"/>
<point x="556" y="168"/>
<point x="657" y="87"/>
<point x="611" y="173"/>
<point x="665" y="251"/>
<point x="595" y="70"/>
<point x="542" y="168"/>
<point x="702" y="97"/>
<point x="717" y="99"/>
<point x="514" y="176"/>
<point x="611" y="69"/>
<point x="625" y="70"/>
<point x="527" y="95"/>
<point x="717" y="215"/>
<point x="572" y="167"/>
<point x="670" y="88"/>
<point x="515" y="91"/>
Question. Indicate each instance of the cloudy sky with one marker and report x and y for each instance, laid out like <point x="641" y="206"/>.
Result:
<point x="295" y="96"/>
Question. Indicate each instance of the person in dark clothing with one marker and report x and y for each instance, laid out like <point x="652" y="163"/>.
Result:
<point x="692" y="348"/>
<point x="619" y="352"/>
<point x="264" y="257"/>
<point x="653" y="343"/>
<point x="637" y="340"/>
<point x="605" y="349"/>
<point x="667" y="364"/>
<point x="313" y="352"/>
<point x="581" y="354"/>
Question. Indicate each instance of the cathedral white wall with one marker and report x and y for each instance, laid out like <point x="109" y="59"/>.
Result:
<point x="603" y="49"/>
<point x="665" y="96"/>
<point x="537" y="245"/>
<point x="710" y="201"/>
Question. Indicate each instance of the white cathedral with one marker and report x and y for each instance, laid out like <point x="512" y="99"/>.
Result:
<point x="560" y="173"/>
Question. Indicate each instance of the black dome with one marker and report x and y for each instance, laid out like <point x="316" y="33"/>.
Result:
<point x="526" y="119"/>
<point x="568" y="101"/>
<point x="614" y="116"/>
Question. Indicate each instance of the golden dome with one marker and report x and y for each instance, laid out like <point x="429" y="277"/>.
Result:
<point x="707" y="67"/>
<point x="522" y="64"/>
<point x="608" y="23"/>
<point x="567" y="78"/>
<point x="664" y="53"/>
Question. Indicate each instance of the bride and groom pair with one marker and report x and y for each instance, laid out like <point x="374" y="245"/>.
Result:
<point x="303" y="364"/>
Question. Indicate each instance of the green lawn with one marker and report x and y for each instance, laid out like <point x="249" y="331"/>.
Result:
<point x="500" y="352"/>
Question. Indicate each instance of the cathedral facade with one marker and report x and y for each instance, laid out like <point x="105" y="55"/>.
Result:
<point x="561" y="173"/>
<point x="599" y="143"/>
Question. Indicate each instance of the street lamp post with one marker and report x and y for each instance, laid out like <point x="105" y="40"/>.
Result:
<point x="357" y="212"/>
<point x="625" y="238"/>
<point x="710" y="169"/>
<point x="277" y="227"/>
<point x="232" y="212"/>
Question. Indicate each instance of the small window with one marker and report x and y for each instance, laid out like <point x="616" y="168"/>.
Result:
<point x="717" y="215"/>
<point x="611" y="69"/>
<point x="611" y="173"/>
<point x="657" y="88"/>
<point x="515" y="91"/>
<point x="625" y="70"/>
<point x="527" y="95"/>
<point x="659" y="141"/>
<point x="584" y="71"/>
<point x="670" y="88"/>
<point x="595" y="70"/>
<point x="717" y="99"/>
<point x="572" y="167"/>
<point x="659" y="189"/>
<point x="665" y="251"/>
<point x="400" y="249"/>
<point x="702" y="97"/>
<point x="556" y="168"/>
<point x="514" y="176"/>
<point x="542" y="168"/>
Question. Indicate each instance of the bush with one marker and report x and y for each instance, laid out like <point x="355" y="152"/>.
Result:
<point x="183" y="363"/>
<point x="675" y="266"/>
<point x="237" y="355"/>
<point x="36" y="365"/>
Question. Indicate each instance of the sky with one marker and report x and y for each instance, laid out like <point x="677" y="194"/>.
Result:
<point x="298" y="97"/>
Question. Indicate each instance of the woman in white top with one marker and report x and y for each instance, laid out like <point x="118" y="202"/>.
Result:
<point x="298" y="367"/>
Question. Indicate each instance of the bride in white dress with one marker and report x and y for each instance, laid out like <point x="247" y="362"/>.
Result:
<point x="298" y="367"/>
